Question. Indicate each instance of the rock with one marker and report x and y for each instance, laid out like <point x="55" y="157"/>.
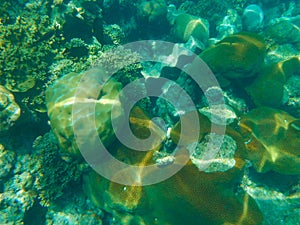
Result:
<point x="219" y="114"/>
<point x="222" y="158"/>
<point x="253" y="17"/>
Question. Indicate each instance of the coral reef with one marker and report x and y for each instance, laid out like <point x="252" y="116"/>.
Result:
<point x="153" y="10"/>
<point x="274" y="192"/>
<point x="121" y="63"/>
<point x="27" y="45"/>
<point x="149" y="204"/>
<point x="213" y="11"/>
<point x="7" y="157"/>
<point x="284" y="30"/>
<point x="291" y="90"/>
<point x="53" y="175"/>
<point x="65" y="212"/>
<point x="231" y="24"/>
<point x="32" y="180"/>
<point x="59" y="53"/>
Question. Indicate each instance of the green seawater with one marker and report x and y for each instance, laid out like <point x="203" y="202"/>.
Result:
<point x="166" y="112"/>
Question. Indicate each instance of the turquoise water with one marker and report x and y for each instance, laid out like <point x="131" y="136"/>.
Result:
<point x="149" y="112"/>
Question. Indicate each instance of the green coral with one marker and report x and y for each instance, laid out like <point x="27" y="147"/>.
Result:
<point x="268" y="88"/>
<point x="61" y="103"/>
<point x="213" y="11"/>
<point x="27" y="46"/>
<point x="126" y="62"/>
<point x="28" y="43"/>
<point x="187" y="26"/>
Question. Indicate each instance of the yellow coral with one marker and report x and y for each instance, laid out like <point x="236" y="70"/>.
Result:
<point x="267" y="89"/>
<point x="272" y="140"/>
<point x="187" y="26"/>
<point x="236" y="56"/>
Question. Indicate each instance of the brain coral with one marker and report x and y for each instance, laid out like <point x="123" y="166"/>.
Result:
<point x="61" y="97"/>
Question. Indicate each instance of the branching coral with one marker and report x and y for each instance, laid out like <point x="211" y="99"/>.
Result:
<point x="54" y="175"/>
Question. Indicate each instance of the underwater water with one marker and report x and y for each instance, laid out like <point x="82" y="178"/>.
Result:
<point x="164" y="112"/>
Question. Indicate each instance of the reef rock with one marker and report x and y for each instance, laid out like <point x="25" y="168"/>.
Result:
<point x="253" y="17"/>
<point x="9" y="109"/>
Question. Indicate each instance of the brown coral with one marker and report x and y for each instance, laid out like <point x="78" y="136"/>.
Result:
<point x="272" y="140"/>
